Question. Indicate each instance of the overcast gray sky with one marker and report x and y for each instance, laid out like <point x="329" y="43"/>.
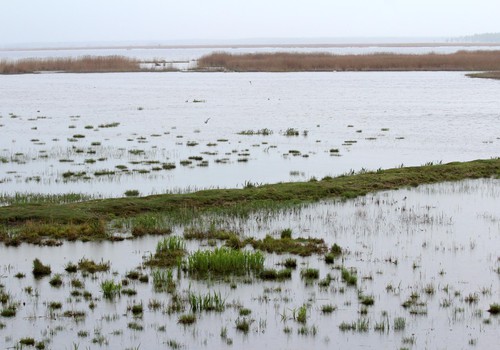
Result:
<point x="53" y="21"/>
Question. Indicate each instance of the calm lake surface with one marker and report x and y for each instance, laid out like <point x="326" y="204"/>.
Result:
<point x="374" y="120"/>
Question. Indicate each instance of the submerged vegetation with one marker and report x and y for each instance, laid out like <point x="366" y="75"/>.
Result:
<point x="87" y="220"/>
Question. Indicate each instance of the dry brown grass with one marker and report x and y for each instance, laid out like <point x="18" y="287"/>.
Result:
<point x="84" y="64"/>
<point x="293" y="62"/>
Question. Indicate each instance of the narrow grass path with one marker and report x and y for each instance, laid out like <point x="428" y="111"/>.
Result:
<point x="340" y="187"/>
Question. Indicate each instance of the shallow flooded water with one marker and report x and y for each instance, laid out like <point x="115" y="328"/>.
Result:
<point x="426" y="257"/>
<point x="104" y="134"/>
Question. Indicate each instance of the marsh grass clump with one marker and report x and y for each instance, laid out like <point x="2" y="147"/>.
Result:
<point x="299" y="246"/>
<point x="40" y="270"/>
<point x="110" y="289"/>
<point x="309" y="273"/>
<point x="133" y="275"/>
<point x="109" y="125"/>
<point x="286" y="233"/>
<point x="223" y="261"/>
<point x="348" y="277"/>
<point x="494" y="309"/>
<point x="76" y="283"/>
<point x="9" y="311"/>
<point x="245" y="312"/>
<point x="362" y="325"/>
<point x="290" y="263"/>
<point x="330" y="258"/>
<point x="27" y="342"/>
<point x="211" y="233"/>
<point x="131" y="193"/>
<point x="135" y="326"/>
<point x="169" y="252"/>
<point x="55" y="305"/>
<point x="243" y="324"/>
<point x="336" y="250"/>
<point x="163" y="280"/>
<point x="187" y="319"/>
<point x="325" y="282"/>
<point x="291" y="132"/>
<point x="136" y="309"/>
<point x="91" y="266"/>
<point x="129" y="291"/>
<point x="346" y="326"/>
<point x="76" y="314"/>
<point x="4" y="296"/>
<point x="301" y="315"/>
<point x="206" y="302"/>
<point x="399" y="324"/>
<point x="149" y="224"/>
<point x="366" y="300"/>
<point x="263" y="132"/>
<point x="56" y="281"/>
<point x="272" y="274"/>
<point x="44" y="233"/>
<point x="71" y="268"/>
<point x="328" y="308"/>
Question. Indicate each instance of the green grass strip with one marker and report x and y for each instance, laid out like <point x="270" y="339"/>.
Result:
<point x="228" y="200"/>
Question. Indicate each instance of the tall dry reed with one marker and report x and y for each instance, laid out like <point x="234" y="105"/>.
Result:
<point x="84" y="64"/>
<point x="291" y="62"/>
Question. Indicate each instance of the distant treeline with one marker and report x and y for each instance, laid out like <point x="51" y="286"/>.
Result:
<point x="479" y="38"/>
<point x="295" y="62"/>
<point x="85" y="64"/>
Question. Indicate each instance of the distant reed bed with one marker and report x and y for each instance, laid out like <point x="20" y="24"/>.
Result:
<point x="294" y="62"/>
<point x="84" y="64"/>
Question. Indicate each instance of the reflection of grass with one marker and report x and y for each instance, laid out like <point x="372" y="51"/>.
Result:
<point x="237" y="202"/>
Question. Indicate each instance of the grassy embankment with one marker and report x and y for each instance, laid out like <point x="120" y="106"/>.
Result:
<point x="299" y="62"/>
<point x="85" y="64"/>
<point x="485" y="75"/>
<point x="89" y="220"/>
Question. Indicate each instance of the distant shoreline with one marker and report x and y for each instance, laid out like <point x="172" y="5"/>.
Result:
<point x="249" y="46"/>
<point x="486" y="62"/>
<point x="310" y="62"/>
